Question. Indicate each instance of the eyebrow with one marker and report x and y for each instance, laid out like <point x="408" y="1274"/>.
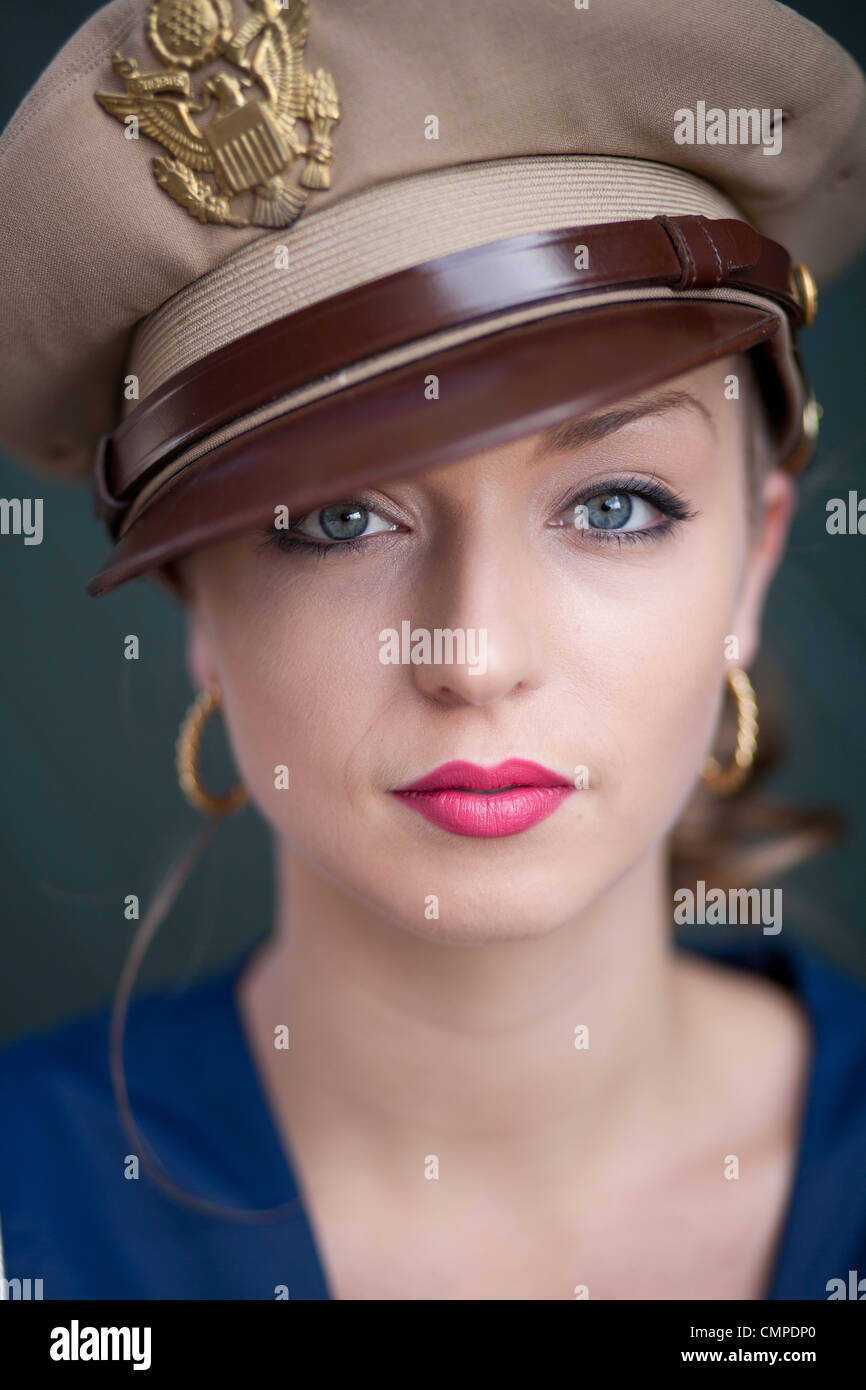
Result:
<point x="573" y="434"/>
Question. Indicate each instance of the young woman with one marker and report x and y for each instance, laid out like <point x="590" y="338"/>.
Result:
<point x="477" y="700"/>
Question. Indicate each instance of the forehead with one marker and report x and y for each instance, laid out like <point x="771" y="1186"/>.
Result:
<point x="577" y="433"/>
<point x="692" y="401"/>
<point x="683" y="425"/>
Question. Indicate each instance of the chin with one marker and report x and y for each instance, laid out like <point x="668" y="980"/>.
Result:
<point x="486" y="906"/>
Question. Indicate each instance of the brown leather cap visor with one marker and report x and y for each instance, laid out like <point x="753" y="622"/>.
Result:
<point x="331" y="399"/>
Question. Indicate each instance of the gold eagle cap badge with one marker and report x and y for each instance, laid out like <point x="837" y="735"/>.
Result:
<point x="248" y="143"/>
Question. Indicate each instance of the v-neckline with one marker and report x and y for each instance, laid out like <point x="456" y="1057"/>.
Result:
<point x="281" y="1158"/>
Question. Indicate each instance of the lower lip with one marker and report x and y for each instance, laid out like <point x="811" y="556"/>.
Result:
<point x="489" y="816"/>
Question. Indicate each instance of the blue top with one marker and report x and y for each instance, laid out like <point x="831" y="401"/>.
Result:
<point x="72" y="1218"/>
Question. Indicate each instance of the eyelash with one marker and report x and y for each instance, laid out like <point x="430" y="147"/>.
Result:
<point x="286" y="542"/>
<point x="672" y="507"/>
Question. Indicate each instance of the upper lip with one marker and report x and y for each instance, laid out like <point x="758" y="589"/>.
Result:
<point x="514" y="772"/>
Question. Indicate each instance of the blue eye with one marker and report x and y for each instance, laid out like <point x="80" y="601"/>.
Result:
<point x="628" y="509"/>
<point x="341" y="526"/>
<point x="615" y="511"/>
<point x="631" y="509"/>
<point x="346" y="521"/>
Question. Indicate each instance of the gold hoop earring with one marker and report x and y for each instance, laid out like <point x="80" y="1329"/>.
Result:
<point x="723" y="781"/>
<point x="186" y="758"/>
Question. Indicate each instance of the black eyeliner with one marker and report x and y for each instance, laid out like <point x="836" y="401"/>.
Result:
<point x="672" y="507"/>
<point x="667" y="502"/>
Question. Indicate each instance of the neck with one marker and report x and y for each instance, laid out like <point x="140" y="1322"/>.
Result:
<point x="404" y="1042"/>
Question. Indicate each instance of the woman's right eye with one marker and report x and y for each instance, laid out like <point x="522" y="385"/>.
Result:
<point x="346" y="521"/>
<point x="343" y="526"/>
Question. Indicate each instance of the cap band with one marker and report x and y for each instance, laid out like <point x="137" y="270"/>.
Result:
<point x="401" y="223"/>
<point x="480" y="286"/>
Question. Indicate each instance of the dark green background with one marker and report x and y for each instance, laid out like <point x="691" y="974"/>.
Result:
<point x="90" y="808"/>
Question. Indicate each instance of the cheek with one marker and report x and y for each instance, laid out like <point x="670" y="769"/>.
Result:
<point x="646" y="658"/>
<point x="299" y="679"/>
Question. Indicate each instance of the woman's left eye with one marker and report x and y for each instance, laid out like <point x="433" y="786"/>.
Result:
<point x="615" y="511"/>
<point x="618" y="510"/>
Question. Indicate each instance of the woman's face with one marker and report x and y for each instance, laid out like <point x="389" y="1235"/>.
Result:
<point x="597" y="574"/>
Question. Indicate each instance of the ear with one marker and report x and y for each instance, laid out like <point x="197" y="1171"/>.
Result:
<point x="778" y="505"/>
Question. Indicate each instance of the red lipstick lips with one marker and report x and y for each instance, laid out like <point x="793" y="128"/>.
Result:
<point x="487" y="801"/>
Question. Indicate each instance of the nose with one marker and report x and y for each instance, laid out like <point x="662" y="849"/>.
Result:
<point x="479" y="593"/>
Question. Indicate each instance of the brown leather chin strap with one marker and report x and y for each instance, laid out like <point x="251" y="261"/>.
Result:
<point x="478" y="285"/>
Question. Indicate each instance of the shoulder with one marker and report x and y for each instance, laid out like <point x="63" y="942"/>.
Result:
<point x="780" y="994"/>
<point x="93" y="1205"/>
<point x="789" y="1014"/>
<point x="785" y="972"/>
<point x="56" y="1094"/>
<point x="57" y="1085"/>
<point x="56" y="1139"/>
<point x="46" y="1078"/>
<point x="70" y="1062"/>
<point x="797" y="1029"/>
<point x="66" y="1205"/>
